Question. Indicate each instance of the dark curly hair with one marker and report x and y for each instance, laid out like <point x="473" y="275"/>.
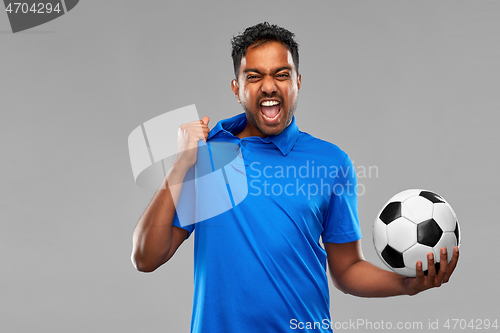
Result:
<point x="260" y="34"/>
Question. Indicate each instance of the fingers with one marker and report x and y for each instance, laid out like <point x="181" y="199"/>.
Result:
<point x="188" y="139"/>
<point x="192" y="131"/>
<point x="433" y="278"/>
<point x="420" y="273"/>
<point x="197" y="129"/>
<point x="443" y="267"/>
<point x="452" y="265"/>
<point x="204" y="126"/>
<point x="206" y="130"/>
<point x="431" y="269"/>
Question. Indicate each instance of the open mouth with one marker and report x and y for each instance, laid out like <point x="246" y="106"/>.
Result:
<point x="270" y="110"/>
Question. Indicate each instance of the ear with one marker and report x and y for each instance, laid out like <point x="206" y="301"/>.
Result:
<point x="299" y="79"/>
<point x="236" y="89"/>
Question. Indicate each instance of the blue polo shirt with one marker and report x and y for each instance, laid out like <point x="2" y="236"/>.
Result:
<point x="259" y="266"/>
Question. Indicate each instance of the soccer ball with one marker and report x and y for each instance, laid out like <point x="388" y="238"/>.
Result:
<point x="410" y="225"/>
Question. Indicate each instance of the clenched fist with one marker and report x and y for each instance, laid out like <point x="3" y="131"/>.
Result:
<point x="187" y="142"/>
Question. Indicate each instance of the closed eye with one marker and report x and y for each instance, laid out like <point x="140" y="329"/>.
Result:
<point x="283" y="75"/>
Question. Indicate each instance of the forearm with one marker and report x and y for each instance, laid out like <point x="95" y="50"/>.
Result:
<point x="367" y="280"/>
<point x="152" y="238"/>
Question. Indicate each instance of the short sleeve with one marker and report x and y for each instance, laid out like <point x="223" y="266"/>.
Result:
<point x="341" y="221"/>
<point x="176" y="223"/>
<point x="185" y="208"/>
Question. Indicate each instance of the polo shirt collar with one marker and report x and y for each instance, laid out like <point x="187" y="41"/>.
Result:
<point x="283" y="141"/>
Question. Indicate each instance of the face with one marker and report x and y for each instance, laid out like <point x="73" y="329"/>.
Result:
<point x="268" y="86"/>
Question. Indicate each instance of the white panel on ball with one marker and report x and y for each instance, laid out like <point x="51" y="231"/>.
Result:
<point x="415" y="253"/>
<point x="417" y="209"/>
<point x="402" y="196"/>
<point x="444" y="216"/>
<point x="447" y="240"/>
<point x="379" y="235"/>
<point x="401" y="234"/>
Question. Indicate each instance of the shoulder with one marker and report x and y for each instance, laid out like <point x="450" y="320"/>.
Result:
<point x="320" y="149"/>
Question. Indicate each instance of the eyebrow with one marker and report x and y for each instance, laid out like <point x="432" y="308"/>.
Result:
<point x="255" y="70"/>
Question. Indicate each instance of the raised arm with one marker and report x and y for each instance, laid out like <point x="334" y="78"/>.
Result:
<point x="155" y="239"/>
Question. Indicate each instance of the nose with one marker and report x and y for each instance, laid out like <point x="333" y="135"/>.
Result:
<point x="268" y="85"/>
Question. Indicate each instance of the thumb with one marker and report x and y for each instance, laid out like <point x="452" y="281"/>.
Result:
<point x="205" y="120"/>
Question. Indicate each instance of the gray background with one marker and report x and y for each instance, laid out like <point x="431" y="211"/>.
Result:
<point x="410" y="87"/>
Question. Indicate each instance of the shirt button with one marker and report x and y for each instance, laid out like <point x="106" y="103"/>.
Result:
<point x="244" y="143"/>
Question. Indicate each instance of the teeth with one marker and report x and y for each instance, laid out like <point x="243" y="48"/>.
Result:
<point x="269" y="103"/>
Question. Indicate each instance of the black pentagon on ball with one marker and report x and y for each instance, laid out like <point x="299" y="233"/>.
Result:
<point x="428" y="233"/>
<point x="436" y="266"/>
<point x="457" y="234"/>
<point x="393" y="257"/>
<point x="391" y="212"/>
<point x="431" y="196"/>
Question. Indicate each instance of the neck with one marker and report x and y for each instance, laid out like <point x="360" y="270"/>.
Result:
<point x="250" y="131"/>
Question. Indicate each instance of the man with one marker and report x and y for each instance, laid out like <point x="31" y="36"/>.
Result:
<point x="259" y="267"/>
